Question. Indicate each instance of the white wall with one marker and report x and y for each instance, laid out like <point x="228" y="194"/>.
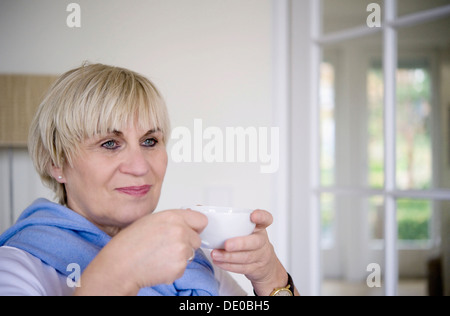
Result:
<point x="210" y="58"/>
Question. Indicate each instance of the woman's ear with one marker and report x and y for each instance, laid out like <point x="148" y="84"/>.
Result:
<point x="57" y="173"/>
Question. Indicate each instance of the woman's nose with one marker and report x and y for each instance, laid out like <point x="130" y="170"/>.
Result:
<point x="135" y="162"/>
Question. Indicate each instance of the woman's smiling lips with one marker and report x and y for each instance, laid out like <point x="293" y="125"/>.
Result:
<point x="137" y="191"/>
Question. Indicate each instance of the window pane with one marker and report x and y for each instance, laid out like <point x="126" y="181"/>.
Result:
<point x="414" y="220"/>
<point x="328" y="220"/>
<point x="343" y="14"/>
<point x="414" y="6"/>
<point x="376" y="220"/>
<point x="414" y="122"/>
<point x="418" y="243"/>
<point x="375" y="100"/>
<point x="358" y="244"/>
<point x="346" y="93"/>
<point x="346" y="261"/>
<point x="422" y="150"/>
<point x="423" y="106"/>
<point x="327" y="124"/>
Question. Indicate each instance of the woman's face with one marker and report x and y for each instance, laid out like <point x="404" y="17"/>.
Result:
<point x="117" y="178"/>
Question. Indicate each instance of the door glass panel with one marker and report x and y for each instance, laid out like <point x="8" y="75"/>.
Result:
<point x="353" y="263"/>
<point x="414" y="222"/>
<point x="414" y="6"/>
<point x="328" y="220"/>
<point x="423" y="106"/>
<point x="343" y="14"/>
<point x="375" y="102"/>
<point x="352" y="149"/>
<point x="327" y="124"/>
<point x="418" y="244"/>
<point x="347" y="96"/>
<point x="376" y="221"/>
<point x="414" y="123"/>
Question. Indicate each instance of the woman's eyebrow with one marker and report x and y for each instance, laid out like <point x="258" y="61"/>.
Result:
<point x="149" y="132"/>
<point x="153" y="131"/>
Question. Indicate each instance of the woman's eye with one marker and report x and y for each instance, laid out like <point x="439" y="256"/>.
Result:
<point x="150" y="142"/>
<point x="110" y="144"/>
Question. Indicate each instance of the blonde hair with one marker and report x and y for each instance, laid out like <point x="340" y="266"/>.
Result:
<point x="93" y="99"/>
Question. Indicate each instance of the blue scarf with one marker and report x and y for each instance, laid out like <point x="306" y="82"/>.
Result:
<point x="58" y="237"/>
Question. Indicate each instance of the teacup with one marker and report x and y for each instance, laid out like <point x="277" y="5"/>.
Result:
<point x="224" y="223"/>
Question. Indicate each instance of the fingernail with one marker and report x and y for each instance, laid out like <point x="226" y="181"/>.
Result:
<point x="216" y="255"/>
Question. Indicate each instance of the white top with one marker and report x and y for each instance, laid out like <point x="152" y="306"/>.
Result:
<point x="22" y="274"/>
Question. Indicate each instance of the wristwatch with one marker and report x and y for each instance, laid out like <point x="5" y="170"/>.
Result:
<point x="288" y="290"/>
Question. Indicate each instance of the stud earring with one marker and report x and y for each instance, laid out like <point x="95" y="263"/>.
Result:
<point x="59" y="177"/>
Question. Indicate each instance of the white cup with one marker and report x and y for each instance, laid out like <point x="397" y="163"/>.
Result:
<point x="224" y="223"/>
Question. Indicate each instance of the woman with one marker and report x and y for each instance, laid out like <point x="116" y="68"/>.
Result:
<point x="98" y="141"/>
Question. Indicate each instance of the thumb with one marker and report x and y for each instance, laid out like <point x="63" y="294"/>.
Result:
<point x="196" y="220"/>
<point x="261" y="218"/>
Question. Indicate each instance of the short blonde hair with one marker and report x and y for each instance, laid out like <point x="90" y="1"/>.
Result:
<point x="93" y="99"/>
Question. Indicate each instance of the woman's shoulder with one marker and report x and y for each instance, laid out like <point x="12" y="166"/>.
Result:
<point x="22" y="274"/>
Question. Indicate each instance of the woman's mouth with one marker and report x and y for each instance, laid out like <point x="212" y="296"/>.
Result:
<point x="137" y="191"/>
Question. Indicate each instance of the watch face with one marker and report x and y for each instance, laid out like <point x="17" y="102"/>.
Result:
<point x="283" y="292"/>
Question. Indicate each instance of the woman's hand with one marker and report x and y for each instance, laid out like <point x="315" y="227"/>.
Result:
<point x="153" y="250"/>
<point x="254" y="256"/>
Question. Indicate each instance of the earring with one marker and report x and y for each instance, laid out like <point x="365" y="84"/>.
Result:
<point x="59" y="177"/>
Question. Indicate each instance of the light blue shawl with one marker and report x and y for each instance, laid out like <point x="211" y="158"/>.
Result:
<point x="58" y="237"/>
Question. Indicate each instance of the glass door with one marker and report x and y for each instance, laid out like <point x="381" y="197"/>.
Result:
<point x="383" y="114"/>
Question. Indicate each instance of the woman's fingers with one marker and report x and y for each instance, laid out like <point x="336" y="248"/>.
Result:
<point x="252" y="242"/>
<point x="253" y="255"/>
<point x="242" y="257"/>
<point x="262" y="219"/>
<point x="196" y="220"/>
